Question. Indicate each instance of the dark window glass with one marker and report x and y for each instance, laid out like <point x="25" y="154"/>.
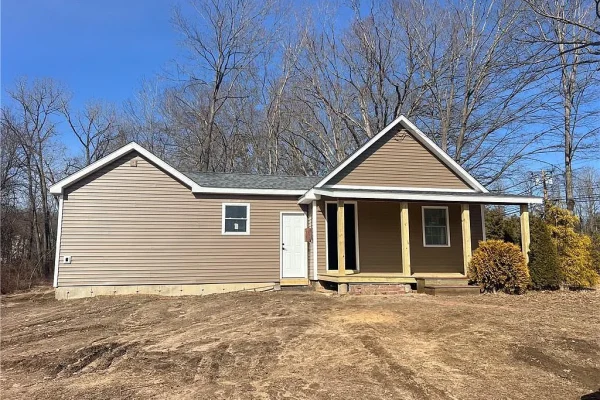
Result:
<point x="436" y="226"/>
<point x="236" y="219"/>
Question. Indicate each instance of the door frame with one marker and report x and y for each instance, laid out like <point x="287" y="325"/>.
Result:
<point x="355" y="234"/>
<point x="304" y="246"/>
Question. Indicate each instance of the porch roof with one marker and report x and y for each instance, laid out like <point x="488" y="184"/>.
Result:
<point x="418" y="195"/>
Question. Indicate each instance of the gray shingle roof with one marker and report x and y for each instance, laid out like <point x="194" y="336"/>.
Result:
<point x="252" y="181"/>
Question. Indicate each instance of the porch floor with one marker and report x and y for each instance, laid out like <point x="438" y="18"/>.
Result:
<point x="371" y="277"/>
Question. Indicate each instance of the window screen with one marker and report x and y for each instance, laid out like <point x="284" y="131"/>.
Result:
<point x="435" y="225"/>
<point x="235" y="218"/>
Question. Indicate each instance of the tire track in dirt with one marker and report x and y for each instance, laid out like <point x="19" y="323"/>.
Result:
<point x="399" y="372"/>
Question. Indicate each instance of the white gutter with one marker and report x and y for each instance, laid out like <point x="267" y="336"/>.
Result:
<point x="278" y="192"/>
<point x="445" y="197"/>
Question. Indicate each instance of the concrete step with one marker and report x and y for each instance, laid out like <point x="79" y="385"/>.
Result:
<point x="422" y="282"/>
<point x="445" y="281"/>
<point x="451" y="290"/>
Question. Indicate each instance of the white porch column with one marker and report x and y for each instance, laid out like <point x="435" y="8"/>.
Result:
<point x="525" y="236"/>
<point x="341" y="238"/>
<point x="465" y="217"/>
<point x="405" y="238"/>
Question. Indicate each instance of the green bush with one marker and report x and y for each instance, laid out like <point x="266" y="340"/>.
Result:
<point x="498" y="226"/>
<point x="544" y="267"/>
<point x="499" y="266"/>
<point x="574" y="249"/>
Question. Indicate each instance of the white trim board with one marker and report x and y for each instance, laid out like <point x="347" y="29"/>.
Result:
<point x="58" y="235"/>
<point x="59" y="187"/>
<point x="452" y="198"/>
<point x="424" y="140"/>
<point x="355" y="235"/>
<point x="314" y="242"/>
<point x="400" y="188"/>
<point x="223" y="206"/>
<point x="278" y="192"/>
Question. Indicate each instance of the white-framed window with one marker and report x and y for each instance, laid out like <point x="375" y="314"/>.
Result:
<point x="236" y="219"/>
<point x="436" y="228"/>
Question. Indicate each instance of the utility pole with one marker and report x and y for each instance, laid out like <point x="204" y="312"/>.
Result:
<point x="545" y="179"/>
<point x="545" y="186"/>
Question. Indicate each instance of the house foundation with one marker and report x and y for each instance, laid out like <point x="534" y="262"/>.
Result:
<point x="79" y="292"/>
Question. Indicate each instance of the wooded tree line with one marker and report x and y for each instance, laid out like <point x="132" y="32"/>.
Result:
<point x="271" y="87"/>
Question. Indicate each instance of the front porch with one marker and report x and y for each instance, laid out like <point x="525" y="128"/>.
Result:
<point x="395" y="242"/>
<point x="358" y="277"/>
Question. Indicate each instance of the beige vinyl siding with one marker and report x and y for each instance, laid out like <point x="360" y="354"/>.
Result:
<point x="476" y="225"/>
<point x="380" y="246"/>
<point x="321" y="238"/>
<point x="128" y="225"/>
<point x="435" y="259"/>
<point x="398" y="160"/>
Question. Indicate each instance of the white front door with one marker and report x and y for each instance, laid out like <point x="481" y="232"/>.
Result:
<point x="293" y="253"/>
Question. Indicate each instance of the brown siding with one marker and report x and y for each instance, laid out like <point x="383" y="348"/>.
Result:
<point x="398" y="160"/>
<point x="137" y="225"/>
<point x="380" y="246"/>
<point x="435" y="259"/>
<point x="476" y="225"/>
<point x="322" y="238"/>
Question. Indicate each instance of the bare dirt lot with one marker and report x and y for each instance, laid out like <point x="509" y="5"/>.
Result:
<point x="293" y="344"/>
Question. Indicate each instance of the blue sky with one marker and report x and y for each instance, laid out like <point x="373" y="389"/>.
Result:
<point x="99" y="49"/>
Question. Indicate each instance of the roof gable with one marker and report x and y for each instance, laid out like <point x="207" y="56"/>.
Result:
<point x="207" y="183"/>
<point x="401" y="156"/>
<point x="58" y="188"/>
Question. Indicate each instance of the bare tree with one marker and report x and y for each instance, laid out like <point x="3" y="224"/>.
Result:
<point x="32" y="123"/>
<point x="481" y="92"/>
<point x="94" y="127"/>
<point x="588" y="39"/>
<point x="587" y="193"/>
<point x="224" y="39"/>
<point x="143" y="119"/>
<point x="572" y="78"/>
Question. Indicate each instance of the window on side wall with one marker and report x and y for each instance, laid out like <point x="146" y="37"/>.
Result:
<point x="436" y="230"/>
<point x="236" y="219"/>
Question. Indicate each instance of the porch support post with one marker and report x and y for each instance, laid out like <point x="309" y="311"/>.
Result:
<point x="405" y="238"/>
<point x="465" y="217"/>
<point x="525" y="237"/>
<point x="341" y="244"/>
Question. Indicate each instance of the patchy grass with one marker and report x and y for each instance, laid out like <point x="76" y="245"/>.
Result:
<point x="301" y="345"/>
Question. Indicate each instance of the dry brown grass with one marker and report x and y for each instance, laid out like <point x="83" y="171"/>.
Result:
<point x="301" y="345"/>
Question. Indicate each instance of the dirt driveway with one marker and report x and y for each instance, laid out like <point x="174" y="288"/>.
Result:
<point x="294" y="344"/>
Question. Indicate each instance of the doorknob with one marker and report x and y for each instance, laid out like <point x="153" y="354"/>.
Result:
<point x="282" y="244"/>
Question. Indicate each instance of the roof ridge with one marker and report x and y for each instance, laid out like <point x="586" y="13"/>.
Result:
<point x="250" y="173"/>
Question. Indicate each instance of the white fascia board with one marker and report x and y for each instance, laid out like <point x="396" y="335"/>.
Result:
<point x="474" y="198"/>
<point x="449" y="161"/>
<point x="309" y="197"/>
<point x="408" y="189"/>
<point x="58" y="187"/>
<point x="273" y="192"/>
<point x="423" y="139"/>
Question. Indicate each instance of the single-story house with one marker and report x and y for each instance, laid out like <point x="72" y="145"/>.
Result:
<point x="396" y="210"/>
